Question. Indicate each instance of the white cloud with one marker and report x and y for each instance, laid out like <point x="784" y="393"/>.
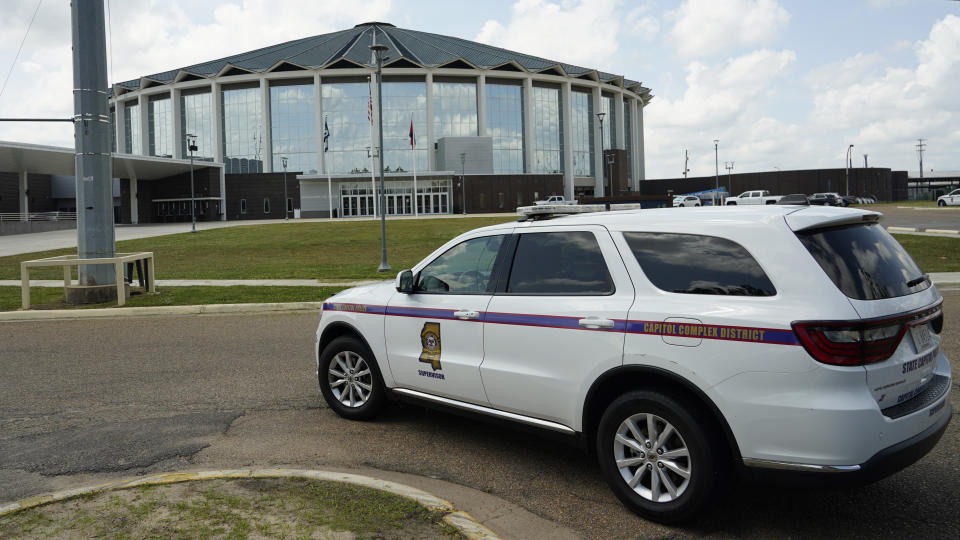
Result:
<point x="709" y="27"/>
<point x="582" y="32"/>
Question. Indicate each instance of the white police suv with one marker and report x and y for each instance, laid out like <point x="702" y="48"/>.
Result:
<point x="680" y="347"/>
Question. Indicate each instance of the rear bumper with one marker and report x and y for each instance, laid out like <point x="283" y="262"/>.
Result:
<point x="882" y="464"/>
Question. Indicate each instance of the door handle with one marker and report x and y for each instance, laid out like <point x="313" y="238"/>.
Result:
<point x="466" y="315"/>
<point x="595" y="322"/>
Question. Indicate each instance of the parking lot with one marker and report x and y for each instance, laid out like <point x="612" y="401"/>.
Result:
<point x="84" y="401"/>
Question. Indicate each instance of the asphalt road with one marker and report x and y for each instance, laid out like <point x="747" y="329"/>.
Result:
<point x="928" y="218"/>
<point x="82" y="401"/>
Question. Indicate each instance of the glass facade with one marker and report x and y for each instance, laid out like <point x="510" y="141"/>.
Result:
<point x="196" y="118"/>
<point x="131" y="127"/>
<point x="242" y="130"/>
<point x="293" y="127"/>
<point x="454" y="109"/>
<point x="401" y="102"/>
<point x="345" y="108"/>
<point x="505" y="126"/>
<point x="581" y="131"/>
<point x="160" y="127"/>
<point x="628" y="138"/>
<point x="609" y="121"/>
<point x="113" y="129"/>
<point x="547" y="130"/>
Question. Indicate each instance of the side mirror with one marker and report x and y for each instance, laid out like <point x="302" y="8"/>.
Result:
<point x="404" y="281"/>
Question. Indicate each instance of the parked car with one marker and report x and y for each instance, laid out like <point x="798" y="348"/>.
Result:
<point x="824" y="199"/>
<point x="753" y="197"/>
<point x="677" y="346"/>
<point x="686" y="200"/>
<point x="950" y="199"/>
<point x="794" y="198"/>
<point x="554" y="199"/>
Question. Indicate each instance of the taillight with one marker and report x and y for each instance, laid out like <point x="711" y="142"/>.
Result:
<point x="855" y="343"/>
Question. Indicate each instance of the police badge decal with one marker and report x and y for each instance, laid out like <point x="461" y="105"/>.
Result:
<point x="430" y="340"/>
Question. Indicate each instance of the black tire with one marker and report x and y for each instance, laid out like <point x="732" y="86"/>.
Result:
<point x="350" y="380"/>
<point x="731" y="204"/>
<point x="941" y="203"/>
<point x="654" y="497"/>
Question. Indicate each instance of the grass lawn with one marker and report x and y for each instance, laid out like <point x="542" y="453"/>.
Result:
<point x="337" y="250"/>
<point x="52" y="297"/>
<point x="932" y="253"/>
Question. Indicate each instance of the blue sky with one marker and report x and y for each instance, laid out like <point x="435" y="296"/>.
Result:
<point x="781" y="83"/>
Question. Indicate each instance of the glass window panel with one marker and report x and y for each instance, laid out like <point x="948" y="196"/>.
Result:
<point x="196" y="118"/>
<point x="695" y="264"/>
<point x="160" y="127"/>
<point x="559" y="263"/>
<point x="293" y="127"/>
<point x="345" y="107"/>
<point x="581" y="126"/>
<point x="403" y="101"/>
<point x="547" y="130"/>
<point x="609" y="121"/>
<point x="463" y="269"/>
<point x="242" y="130"/>
<point x="454" y="109"/>
<point x="131" y="126"/>
<point x="113" y="129"/>
<point x="505" y="126"/>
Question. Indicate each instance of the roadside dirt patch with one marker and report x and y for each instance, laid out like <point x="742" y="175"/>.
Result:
<point x="241" y="508"/>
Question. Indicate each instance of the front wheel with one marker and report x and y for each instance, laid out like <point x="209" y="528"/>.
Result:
<point x="655" y="456"/>
<point x="350" y="380"/>
<point x="941" y="203"/>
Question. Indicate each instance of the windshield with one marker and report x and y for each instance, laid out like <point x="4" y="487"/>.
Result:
<point x="864" y="261"/>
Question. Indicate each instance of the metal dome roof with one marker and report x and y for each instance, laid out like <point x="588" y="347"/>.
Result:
<point x="350" y="48"/>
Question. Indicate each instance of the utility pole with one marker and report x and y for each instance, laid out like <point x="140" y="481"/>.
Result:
<point x="849" y="164"/>
<point x="728" y="165"/>
<point x="93" y="168"/>
<point x="716" y="169"/>
<point x="865" y="162"/>
<point x="686" y="162"/>
<point x="920" y="148"/>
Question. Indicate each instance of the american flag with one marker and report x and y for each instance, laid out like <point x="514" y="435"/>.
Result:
<point x="370" y="109"/>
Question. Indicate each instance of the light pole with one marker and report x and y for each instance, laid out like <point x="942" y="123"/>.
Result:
<point x="603" y="172"/>
<point x="463" y="180"/>
<point x="728" y="165"/>
<point x="384" y="265"/>
<point x="716" y="168"/>
<point x="283" y="160"/>
<point x="849" y="157"/>
<point x="192" y="146"/>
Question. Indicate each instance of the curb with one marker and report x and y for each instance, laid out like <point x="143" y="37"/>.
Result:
<point x="922" y="230"/>
<point x="458" y="519"/>
<point x="157" y="311"/>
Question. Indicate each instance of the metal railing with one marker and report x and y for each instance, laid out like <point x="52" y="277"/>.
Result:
<point x="38" y="216"/>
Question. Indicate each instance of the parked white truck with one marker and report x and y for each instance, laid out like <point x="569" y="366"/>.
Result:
<point x="554" y="199"/>
<point x="754" y="197"/>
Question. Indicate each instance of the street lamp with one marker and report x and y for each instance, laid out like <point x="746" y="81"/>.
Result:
<point x="283" y="160"/>
<point x="849" y="157"/>
<point x="603" y="172"/>
<point x="384" y="265"/>
<point x="192" y="146"/>
<point x="716" y="168"/>
<point x="728" y="165"/>
<point x="463" y="180"/>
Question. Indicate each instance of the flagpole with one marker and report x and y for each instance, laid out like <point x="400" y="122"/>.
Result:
<point x="413" y="146"/>
<point x="373" y="146"/>
<point x="326" y="135"/>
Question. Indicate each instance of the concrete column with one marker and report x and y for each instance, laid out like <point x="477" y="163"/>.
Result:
<point x="24" y="196"/>
<point x="120" y="125"/>
<point x="482" y="105"/>
<point x="134" y="207"/>
<point x="641" y="161"/>
<point x="634" y="143"/>
<point x="431" y="155"/>
<point x="566" y="119"/>
<point x="618" y="129"/>
<point x="598" y="188"/>
<point x="528" y="125"/>
<point x="216" y="93"/>
<point x="177" y="124"/>
<point x="144" y="125"/>
<point x="267" y="132"/>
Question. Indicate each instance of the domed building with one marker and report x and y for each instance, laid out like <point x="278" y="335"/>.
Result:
<point x="466" y="127"/>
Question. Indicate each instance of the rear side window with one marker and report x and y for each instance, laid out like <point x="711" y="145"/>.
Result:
<point x="559" y="263"/>
<point x="864" y="261"/>
<point x="697" y="264"/>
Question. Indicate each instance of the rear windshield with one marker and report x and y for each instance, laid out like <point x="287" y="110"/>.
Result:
<point x="864" y="261"/>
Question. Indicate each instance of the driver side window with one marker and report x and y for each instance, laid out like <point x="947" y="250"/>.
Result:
<point x="465" y="268"/>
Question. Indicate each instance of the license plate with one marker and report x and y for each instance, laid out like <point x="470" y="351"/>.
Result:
<point x="922" y="338"/>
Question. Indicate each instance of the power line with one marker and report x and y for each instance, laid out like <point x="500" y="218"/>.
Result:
<point x="24" y="40"/>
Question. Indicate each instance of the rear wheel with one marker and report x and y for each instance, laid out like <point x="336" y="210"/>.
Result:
<point x="731" y="204"/>
<point x="350" y="380"/>
<point x="656" y="458"/>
